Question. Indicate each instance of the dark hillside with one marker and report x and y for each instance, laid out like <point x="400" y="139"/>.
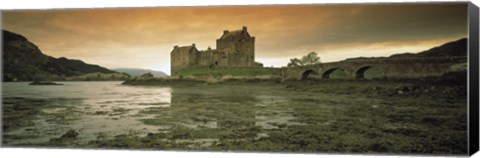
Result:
<point x="24" y="61"/>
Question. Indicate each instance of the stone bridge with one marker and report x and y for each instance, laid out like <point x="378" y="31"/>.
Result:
<point x="391" y="68"/>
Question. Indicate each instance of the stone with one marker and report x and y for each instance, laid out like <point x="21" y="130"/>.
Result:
<point x="234" y="49"/>
<point x="45" y="83"/>
<point x="70" y="134"/>
<point x="400" y="92"/>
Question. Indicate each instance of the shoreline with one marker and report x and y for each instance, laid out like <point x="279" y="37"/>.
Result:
<point x="453" y="78"/>
<point x="262" y="115"/>
<point x="445" y="86"/>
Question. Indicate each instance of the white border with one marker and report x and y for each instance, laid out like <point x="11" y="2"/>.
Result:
<point x="61" y="153"/>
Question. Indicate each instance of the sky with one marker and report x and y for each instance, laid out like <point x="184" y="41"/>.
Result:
<point x="144" y="37"/>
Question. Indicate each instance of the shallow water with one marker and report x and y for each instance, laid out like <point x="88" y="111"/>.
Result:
<point x="243" y="117"/>
<point x="88" y="107"/>
<point x="109" y="109"/>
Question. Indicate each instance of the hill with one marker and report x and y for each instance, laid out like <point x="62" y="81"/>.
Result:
<point x="24" y="61"/>
<point x="455" y="48"/>
<point x="138" y="72"/>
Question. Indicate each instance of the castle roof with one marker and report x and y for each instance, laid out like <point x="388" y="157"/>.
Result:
<point x="214" y="51"/>
<point x="237" y="34"/>
<point x="182" y="49"/>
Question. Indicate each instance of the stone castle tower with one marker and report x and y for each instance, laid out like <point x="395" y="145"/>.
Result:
<point x="234" y="49"/>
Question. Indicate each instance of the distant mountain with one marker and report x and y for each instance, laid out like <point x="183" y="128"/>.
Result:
<point x="454" y="48"/>
<point x="138" y="72"/>
<point x="24" y="61"/>
<point x="403" y="55"/>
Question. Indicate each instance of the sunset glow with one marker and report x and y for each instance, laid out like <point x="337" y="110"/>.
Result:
<point x="144" y="37"/>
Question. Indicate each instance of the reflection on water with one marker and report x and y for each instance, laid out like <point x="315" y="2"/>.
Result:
<point x="37" y="114"/>
<point x="239" y="116"/>
<point x="88" y="107"/>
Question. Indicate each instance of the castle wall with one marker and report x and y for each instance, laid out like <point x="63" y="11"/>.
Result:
<point x="221" y="59"/>
<point x="193" y="59"/>
<point x="181" y="58"/>
<point x="212" y="58"/>
<point x="205" y="58"/>
<point x="178" y="61"/>
<point x="239" y="53"/>
<point x="234" y="49"/>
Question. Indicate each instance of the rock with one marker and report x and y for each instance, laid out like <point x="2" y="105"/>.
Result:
<point x="66" y="138"/>
<point x="70" y="134"/>
<point x="44" y="83"/>
<point x="150" y="134"/>
<point x="400" y="92"/>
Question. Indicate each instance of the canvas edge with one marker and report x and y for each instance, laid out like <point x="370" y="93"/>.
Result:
<point x="1" y="79"/>
<point x="473" y="65"/>
<point x="473" y="79"/>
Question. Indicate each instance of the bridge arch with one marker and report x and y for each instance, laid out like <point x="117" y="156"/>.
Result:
<point x="306" y="74"/>
<point x="360" y="73"/>
<point x="373" y="72"/>
<point x="326" y="74"/>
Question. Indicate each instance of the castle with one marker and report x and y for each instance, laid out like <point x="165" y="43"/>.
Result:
<point x="234" y="49"/>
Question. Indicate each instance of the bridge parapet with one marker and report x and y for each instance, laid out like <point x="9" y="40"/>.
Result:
<point x="391" y="67"/>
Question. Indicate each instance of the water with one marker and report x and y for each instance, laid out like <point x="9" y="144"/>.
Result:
<point x="300" y="117"/>
<point x="88" y="107"/>
<point x="108" y="109"/>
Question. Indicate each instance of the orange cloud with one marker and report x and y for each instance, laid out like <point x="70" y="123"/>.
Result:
<point x="144" y="37"/>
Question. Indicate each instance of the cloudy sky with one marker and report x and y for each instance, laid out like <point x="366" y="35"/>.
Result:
<point x="144" y="37"/>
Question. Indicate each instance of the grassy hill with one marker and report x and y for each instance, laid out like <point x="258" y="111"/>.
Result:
<point x="24" y="61"/>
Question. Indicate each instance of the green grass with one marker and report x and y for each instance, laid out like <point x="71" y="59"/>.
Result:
<point x="373" y="73"/>
<point x="340" y="74"/>
<point x="224" y="71"/>
<point x="96" y="76"/>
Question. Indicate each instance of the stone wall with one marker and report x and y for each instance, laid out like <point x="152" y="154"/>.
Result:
<point x="181" y="58"/>
<point x="239" y="53"/>
<point x="391" y="68"/>
<point x="234" y="49"/>
<point x="211" y="58"/>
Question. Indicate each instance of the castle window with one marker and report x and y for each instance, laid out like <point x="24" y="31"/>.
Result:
<point x="216" y="62"/>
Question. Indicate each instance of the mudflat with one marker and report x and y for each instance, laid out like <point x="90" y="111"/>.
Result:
<point x="328" y="116"/>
